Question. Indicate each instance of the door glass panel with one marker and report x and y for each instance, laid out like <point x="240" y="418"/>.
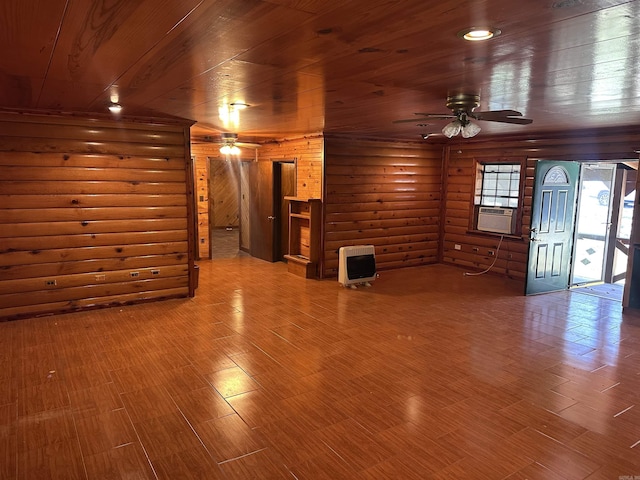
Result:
<point x="561" y="209"/>
<point x="592" y="223"/>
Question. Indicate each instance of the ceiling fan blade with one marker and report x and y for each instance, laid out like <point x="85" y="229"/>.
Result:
<point x="499" y="113"/>
<point x="503" y="116"/>
<point x="437" y="115"/>
<point x="250" y="145"/>
<point x="425" y="116"/>
<point x="408" y="120"/>
<point x="516" y="120"/>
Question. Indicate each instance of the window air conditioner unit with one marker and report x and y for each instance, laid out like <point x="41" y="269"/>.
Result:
<point x="496" y="219"/>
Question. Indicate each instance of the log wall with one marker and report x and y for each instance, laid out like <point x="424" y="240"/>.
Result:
<point x="92" y="213"/>
<point x="459" y="187"/>
<point x="385" y="194"/>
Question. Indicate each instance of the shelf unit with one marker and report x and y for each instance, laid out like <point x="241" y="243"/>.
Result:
<point x="304" y="236"/>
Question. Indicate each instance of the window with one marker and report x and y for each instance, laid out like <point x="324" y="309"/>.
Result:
<point x="499" y="185"/>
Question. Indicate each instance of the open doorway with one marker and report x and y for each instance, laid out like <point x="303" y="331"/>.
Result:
<point x="238" y="201"/>
<point x="606" y="198"/>
<point x="224" y="207"/>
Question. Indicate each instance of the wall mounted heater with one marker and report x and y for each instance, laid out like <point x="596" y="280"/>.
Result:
<point x="496" y="219"/>
<point x="357" y="265"/>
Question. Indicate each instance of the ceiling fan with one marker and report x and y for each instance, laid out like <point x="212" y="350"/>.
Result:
<point x="462" y="108"/>
<point x="228" y="143"/>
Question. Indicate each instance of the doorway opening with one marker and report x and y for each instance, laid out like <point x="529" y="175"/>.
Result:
<point x="224" y="184"/>
<point x="606" y="199"/>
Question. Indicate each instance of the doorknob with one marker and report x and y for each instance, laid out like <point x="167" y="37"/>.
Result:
<point x="271" y="217"/>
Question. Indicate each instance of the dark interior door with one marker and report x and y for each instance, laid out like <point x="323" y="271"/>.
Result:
<point x="262" y="213"/>
<point x="552" y="216"/>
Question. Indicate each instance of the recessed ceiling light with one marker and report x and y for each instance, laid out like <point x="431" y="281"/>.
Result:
<point x="477" y="34"/>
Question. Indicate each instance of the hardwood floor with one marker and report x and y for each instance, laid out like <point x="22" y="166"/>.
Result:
<point x="428" y="374"/>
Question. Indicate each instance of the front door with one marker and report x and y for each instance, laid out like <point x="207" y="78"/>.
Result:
<point x="554" y="199"/>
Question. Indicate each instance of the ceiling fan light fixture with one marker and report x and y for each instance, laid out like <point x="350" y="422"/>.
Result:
<point x="115" y="108"/>
<point x="452" y="129"/>
<point x="478" y="34"/>
<point x="229" y="149"/>
<point x="471" y="129"/>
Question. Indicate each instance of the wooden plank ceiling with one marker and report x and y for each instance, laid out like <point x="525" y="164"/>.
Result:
<point x="305" y="66"/>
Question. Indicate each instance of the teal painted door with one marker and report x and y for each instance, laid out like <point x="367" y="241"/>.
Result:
<point x="552" y="217"/>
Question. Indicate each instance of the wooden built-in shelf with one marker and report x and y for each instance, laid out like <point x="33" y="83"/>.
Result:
<point x="304" y="236"/>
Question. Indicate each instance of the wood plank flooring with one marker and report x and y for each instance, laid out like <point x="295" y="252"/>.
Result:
<point x="428" y="374"/>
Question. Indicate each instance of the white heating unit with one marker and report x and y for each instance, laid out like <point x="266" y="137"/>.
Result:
<point x="357" y="265"/>
<point x="496" y="219"/>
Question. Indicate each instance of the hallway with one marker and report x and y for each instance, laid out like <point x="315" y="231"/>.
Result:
<point x="427" y="374"/>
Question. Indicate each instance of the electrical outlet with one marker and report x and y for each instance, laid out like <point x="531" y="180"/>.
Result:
<point x="457" y="247"/>
<point x="134" y="274"/>
<point x="101" y="278"/>
<point x="155" y="272"/>
<point x="475" y="249"/>
<point x="50" y="283"/>
<point x="491" y="253"/>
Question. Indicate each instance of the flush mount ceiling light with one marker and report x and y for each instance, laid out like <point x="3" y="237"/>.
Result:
<point x="115" y="108"/>
<point x="478" y="34"/>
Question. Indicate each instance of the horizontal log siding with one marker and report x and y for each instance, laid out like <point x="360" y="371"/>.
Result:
<point x="458" y="197"/>
<point x="83" y="204"/>
<point x="384" y="194"/>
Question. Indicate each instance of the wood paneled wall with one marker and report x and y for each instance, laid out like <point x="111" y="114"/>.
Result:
<point x="200" y="152"/>
<point x="92" y="213"/>
<point x="309" y="154"/>
<point x="224" y="193"/>
<point x="459" y="187"/>
<point x="382" y="193"/>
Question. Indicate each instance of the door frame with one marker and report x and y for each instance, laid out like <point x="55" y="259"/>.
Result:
<point x="621" y="187"/>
